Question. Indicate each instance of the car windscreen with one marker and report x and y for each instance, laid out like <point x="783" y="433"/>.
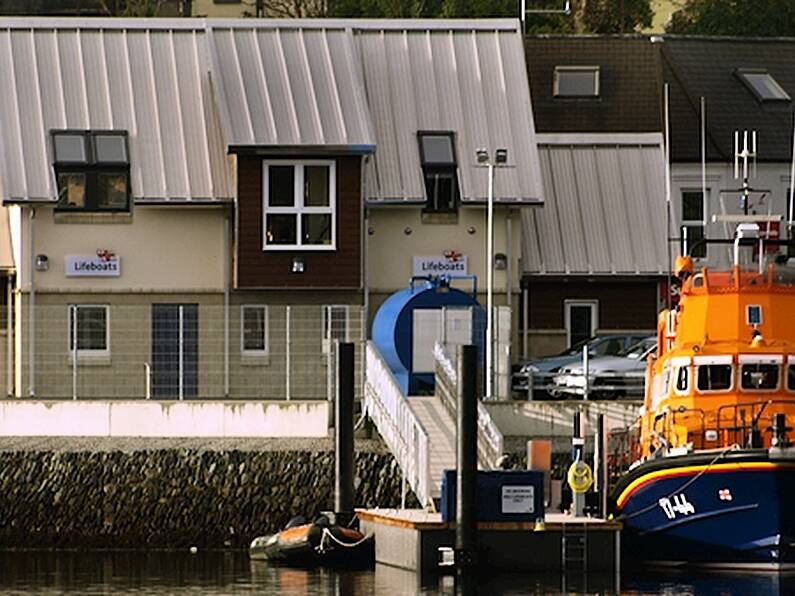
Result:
<point x="639" y="349"/>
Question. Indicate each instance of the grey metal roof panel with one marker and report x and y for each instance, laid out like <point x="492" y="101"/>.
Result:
<point x="461" y="78"/>
<point x="604" y="210"/>
<point x="146" y="78"/>
<point x="289" y="86"/>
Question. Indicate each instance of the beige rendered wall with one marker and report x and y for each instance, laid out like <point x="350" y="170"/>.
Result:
<point x="390" y="249"/>
<point x="175" y="248"/>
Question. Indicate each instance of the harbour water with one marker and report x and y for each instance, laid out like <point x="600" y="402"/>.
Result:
<point x="216" y="573"/>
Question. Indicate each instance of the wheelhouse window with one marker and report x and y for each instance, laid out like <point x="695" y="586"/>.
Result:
<point x="439" y="171"/>
<point x="714" y="377"/>
<point x="693" y="222"/>
<point x="791" y="377"/>
<point x="576" y="81"/>
<point x="683" y="379"/>
<point x="759" y="377"/>
<point x="254" y="329"/>
<point x="92" y="169"/>
<point x="762" y="84"/>
<point x="299" y="206"/>
<point x="89" y="329"/>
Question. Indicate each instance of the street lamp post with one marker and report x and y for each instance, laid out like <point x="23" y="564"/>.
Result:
<point x="500" y="159"/>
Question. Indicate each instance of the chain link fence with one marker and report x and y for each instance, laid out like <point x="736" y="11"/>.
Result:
<point x="185" y="351"/>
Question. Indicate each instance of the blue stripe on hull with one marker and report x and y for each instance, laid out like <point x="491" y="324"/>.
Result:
<point x="729" y="516"/>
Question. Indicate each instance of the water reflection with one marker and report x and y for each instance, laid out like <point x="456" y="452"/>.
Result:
<point x="169" y="572"/>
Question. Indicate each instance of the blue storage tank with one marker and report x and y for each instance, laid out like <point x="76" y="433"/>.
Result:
<point x="502" y="496"/>
<point x="394" y="326"/>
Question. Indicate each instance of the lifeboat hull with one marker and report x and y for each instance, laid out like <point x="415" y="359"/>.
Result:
<point x="730" y="509"/>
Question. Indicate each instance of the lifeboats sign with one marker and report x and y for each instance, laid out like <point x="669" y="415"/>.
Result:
<point x="103" y="264"/>
<point x="451" y="262"/>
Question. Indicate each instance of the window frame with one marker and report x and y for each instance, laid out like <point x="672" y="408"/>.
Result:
<point x="567" y="304"/>
<point x="299" y="209"/>
<point x="248" y="351"/>
<point x="783" y="96"/>
<point x="438" y="169"/>
<point x="559" y="70"/>
<point x="732" y="379"/>
<point x="693" y="223"/>
<point x="86" y="352"/>
<point x="92" y="169"/>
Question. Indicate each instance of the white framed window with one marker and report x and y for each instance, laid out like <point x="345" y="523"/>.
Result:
<point x="299" y="205"/>
<point x="693" y="210"/>
<point x="576" y="81"/>
<point x="254" y="329"/>
<point x="581" y="319"/>
<point x="89" y="329"/>
<point x="336" y="325"/>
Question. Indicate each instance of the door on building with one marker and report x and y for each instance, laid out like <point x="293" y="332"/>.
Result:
<point x="175" y="350"/>
<point x="581" y="318"/>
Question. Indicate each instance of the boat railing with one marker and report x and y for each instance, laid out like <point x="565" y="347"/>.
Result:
<point x="403" y="433"/>
<point x="748" y="423"/>
<point x="490" y="439"/>
<point x="623" y="448"/>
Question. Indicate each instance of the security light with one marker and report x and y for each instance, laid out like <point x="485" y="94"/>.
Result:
<point x="501" y="156"/>
<point x="483" y="155"/>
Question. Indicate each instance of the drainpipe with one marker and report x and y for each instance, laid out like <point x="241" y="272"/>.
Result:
<point x="365" y="242"/>
<point x="9" y="336"/>
<point x="509" y="267"/>
<point x="227" y="283"/>
<point x="32" y="306"/>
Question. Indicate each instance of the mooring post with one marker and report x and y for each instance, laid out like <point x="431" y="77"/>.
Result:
<point x="343" y="432"/>
<point x="466" y="435"/>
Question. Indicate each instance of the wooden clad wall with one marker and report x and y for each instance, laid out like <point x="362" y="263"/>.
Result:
<point x="622" y="304"/>
<point x="257" y="268"/>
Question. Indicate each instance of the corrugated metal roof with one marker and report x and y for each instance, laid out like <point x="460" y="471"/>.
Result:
<point x="458" y="76"/>
<point x="604" y="210"/>
<point x="146" y="77"/>
<point x="290" y="85"/>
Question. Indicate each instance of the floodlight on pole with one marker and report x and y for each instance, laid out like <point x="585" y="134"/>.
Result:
<point x="500" y="159"/>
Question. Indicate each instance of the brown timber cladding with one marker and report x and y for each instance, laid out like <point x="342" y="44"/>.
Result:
<point x="340" y="268"/>
<point x="622" y="305"/>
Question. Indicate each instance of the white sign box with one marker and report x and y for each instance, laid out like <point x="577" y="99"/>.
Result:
<point x="92" y="266"/>
<point x="455" y="264"/>
<point x="518" y="499"/>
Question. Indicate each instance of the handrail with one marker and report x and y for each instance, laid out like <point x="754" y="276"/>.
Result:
<point x="490" y="439"/>
<point x="403" y="433"/>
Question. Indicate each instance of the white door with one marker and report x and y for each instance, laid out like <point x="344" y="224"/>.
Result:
<point x="581" y="318"/>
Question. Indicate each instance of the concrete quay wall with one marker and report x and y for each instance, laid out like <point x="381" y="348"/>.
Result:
<point x="174" y="493"/>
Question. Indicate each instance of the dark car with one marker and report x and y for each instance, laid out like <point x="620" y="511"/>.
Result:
<point x="544" y="369"/>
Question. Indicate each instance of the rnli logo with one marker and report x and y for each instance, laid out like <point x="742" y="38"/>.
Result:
<point x="725" y="494"/>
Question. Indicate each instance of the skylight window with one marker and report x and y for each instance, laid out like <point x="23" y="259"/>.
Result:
<point x="576" y="81"/>
<point x="763" y="85"/>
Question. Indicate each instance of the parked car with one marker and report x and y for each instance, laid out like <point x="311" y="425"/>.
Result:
<point x="544" y="369"/>
<point x="608" y="376"/>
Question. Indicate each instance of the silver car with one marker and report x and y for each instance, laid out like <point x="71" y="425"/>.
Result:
<point x="608" y="376"/>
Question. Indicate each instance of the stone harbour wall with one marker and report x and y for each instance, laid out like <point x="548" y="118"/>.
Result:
<point x="59" y="493"/>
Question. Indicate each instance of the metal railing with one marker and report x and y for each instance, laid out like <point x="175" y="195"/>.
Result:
<point x="403" y="433"/>
<point x="196" y="349"/>
<point x="490" y="439"/>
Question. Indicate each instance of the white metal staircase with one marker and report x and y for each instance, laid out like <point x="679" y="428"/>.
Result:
<point x="420" y="430"/>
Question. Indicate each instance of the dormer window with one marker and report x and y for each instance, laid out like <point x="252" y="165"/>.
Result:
<point x="92" y="169"/>
<point x="440" y="171"/>
<point x="576" y="81"/>
<point x="762" y="84"/>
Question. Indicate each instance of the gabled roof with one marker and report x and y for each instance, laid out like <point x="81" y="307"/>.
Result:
<point x="605" y="207"/>
<point x="188" y="91"/>
<point x="146" y="77"/>
<point x="290" y="85"/>
<point x="462" y="76"/>
<point x="706" y="67"/>
<point x="629" y="89"/>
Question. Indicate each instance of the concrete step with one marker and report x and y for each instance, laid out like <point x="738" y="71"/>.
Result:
<point x="440" y="427"/>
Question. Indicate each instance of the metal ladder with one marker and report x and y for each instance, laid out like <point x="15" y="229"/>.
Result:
<point x="574" y="555"/>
